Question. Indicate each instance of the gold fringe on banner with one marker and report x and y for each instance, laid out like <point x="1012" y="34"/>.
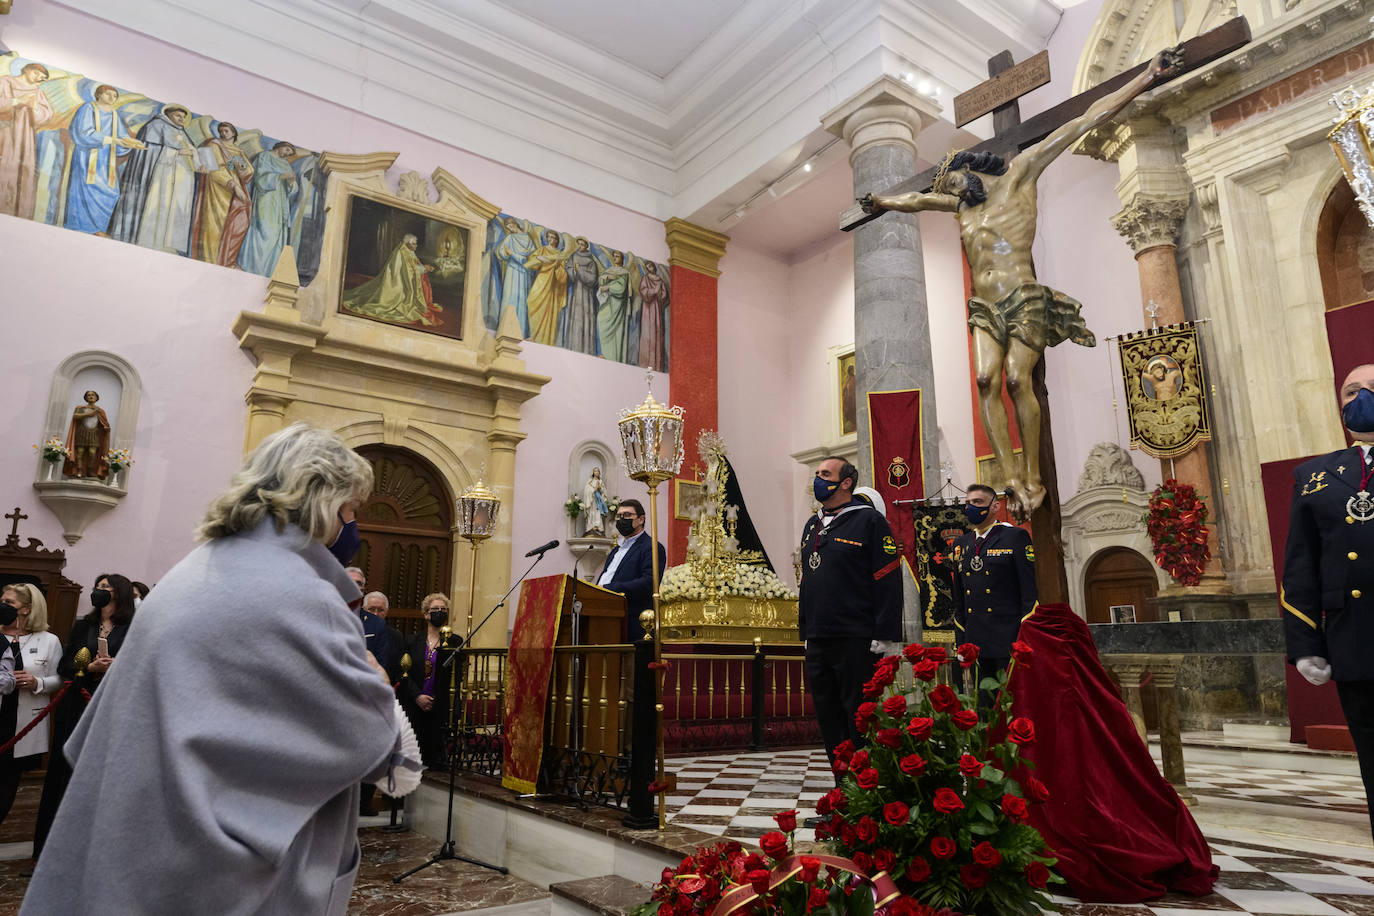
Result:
<point x="1166" y="393"/>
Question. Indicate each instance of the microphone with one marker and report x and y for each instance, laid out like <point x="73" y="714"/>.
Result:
<point x="543" y="548"/>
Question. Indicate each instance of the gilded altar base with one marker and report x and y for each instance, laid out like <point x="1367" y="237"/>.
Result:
<point x="732" y="619"/>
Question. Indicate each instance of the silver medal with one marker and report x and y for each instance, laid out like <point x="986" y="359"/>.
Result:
<point x="1360" y="506"/>
<point x="815" y="561"/>
<point x="976" y="563"/>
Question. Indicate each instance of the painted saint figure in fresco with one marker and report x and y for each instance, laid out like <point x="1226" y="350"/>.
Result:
<point x="157" y="186"/>
<point x="653" y="293"/>
<point x="612" y="319"/>
<point x="99" y="138"/>
<point x="549" y="292"/>
<point x="223" y="203"/>
<point x="512" y="253"/>
<point x="23" y="109"/>
<point x="274" y="192"/>
<point x="579" y="324"/>
<point x="401" y="292"/>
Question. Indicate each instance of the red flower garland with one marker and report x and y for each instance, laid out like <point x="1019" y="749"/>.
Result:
<point x="1177" y="524"/>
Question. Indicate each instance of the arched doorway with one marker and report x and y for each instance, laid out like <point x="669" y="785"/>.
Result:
<point x="1119" y="577"/>
<point x="1345" y="250"/>
<point x="407" y="532"/>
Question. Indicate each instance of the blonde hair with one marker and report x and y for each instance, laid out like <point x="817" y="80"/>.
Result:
<point x="299" y="476"/>
<point x="424" y="605"/>
<point x="33" y="599"/>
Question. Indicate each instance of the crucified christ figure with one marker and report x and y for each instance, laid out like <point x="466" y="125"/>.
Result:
<point x="1011" y="315"/>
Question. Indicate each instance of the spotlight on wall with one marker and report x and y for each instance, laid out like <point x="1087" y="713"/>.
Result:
<point x="806" y="167"/>
<point x="924" y="87"/>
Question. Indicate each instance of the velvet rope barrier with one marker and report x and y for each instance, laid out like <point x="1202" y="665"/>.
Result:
<point x="884" y="890"/>
<point x="4" y="748"/>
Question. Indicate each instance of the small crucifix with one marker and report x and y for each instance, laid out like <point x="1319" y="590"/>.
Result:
<point x="1152" y="310"/>
<point x="13" y="538"/>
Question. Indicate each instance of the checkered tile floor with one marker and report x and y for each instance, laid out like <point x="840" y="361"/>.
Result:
<point x="736" y="796"/>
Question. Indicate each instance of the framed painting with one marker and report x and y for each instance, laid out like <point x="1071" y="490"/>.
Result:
<point x="687" y="498"/>
<point x="846" y="389"/>
<point x="404" y="268"/>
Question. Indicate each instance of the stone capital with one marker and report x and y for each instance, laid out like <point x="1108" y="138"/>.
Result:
<point x="694" y="247"/>
<point x="1151" y="221"/>
<point x="886" y="111"/>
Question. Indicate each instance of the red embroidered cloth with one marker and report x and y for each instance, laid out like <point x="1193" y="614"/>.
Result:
<point x="528" y="672"/>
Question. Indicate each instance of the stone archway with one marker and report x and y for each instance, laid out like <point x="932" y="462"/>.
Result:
<point x="1345" y="250"/>
<point x="1119" y="577"/>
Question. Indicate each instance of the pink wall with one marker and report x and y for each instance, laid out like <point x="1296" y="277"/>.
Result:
<point x="170" y="317"/>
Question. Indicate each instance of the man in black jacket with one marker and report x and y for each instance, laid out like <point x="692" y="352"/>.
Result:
<point x="628" y="568"/>
<point x="1328" y="577"/>
<point x="851" y="599"/>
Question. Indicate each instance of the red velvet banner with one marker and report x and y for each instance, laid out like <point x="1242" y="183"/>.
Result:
<point x="1347" y="331"/>
<point x="528" y="672"/>
<point x="898" y="471"/>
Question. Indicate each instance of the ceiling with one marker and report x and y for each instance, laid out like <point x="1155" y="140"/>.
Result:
<point x="668" y="108"/>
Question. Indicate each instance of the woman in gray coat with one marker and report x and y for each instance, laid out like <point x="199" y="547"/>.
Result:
<point x="217" y="767"/>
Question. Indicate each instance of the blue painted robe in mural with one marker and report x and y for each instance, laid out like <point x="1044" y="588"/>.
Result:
<point x="93" y="183"/>
<point x="274" y="192"/>
<point x="515" y="277"/>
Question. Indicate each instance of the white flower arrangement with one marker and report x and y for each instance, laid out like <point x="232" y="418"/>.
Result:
<point x="749" y="581"/>
<point x="573" y="506"/>
<point x="54" y="449"/>
<point x="118" y="459"/>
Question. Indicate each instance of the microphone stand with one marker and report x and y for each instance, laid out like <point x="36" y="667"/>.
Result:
<point x="576" y="722"/>
<point x="448" y="851"/>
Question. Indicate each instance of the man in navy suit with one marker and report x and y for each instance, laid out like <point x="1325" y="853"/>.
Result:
<point x="628" y="569"/>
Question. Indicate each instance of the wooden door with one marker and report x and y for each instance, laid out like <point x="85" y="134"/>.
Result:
<point x="1119" y="577"/>
<point x="406" y="528"/>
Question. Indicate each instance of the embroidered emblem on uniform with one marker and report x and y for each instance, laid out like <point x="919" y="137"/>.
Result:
<point x="976" y="563"/>
<point x="1340" y="469"/>
<point x="1030" y="553"/>
<point x="898" y="474"/>
<point x="1316" y="483"/>
<point x="815" y="561"/>
<point x="889" y="545"/>
<point x="1360" y="506"/>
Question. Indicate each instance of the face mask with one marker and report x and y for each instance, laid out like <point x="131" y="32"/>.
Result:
<point x="976" y="514"/>
<point x="438" y="618"/>
<point x="347" y="543"/>
<point x="8" y="615"/>
<point x="99" y="598"/>
<point x="626" y="526"/>
<point x="1358" y="415"/>
<point x="824" y="489"/>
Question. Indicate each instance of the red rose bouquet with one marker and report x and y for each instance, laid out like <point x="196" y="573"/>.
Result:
<point x="931" y="799"/>
<point x="1177" y="525"/>
<point x="725" y="879"/>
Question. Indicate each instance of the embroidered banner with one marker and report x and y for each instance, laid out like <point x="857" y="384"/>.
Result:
<point x="1166" y="392"/>
<point x="937" y="527"/>
<point x="895" y="449"/>
<point x="528" y="673"/>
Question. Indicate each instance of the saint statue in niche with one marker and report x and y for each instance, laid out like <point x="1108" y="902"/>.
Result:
<point x="88" y="440"/>
<point x="594" y="507"/>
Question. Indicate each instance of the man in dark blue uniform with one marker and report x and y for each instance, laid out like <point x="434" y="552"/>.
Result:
<point x="1328" y="570"/>
<point x="851" y="599"/>
<point x="994" y="581"/>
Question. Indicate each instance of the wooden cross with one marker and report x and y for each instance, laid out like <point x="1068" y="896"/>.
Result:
<point x="1010" y="136"/>
<point x="14" y="529"/>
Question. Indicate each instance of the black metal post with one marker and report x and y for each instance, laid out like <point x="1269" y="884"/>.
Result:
<point x="759" y="672"/>
<point x="643" y="742"/>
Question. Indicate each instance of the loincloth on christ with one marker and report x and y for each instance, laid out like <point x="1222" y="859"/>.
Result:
<point x="1034" y="314"/>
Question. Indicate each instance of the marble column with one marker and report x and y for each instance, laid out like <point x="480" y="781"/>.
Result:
<point x="891" y="330"/>
<point x="694" y="255"/>
<point x="1151" y="223"/>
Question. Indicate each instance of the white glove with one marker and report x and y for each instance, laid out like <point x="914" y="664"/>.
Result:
<point x="884" y="647"/>
<point x="1316" y="669"/>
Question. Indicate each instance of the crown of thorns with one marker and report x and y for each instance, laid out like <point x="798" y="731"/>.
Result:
<point x="943" y="170"/>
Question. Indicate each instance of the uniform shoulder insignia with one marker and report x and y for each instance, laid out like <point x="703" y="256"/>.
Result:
<point x="1315" y="484"/>
<point x="1030" y="552"/>
<point x="889" y="545"/>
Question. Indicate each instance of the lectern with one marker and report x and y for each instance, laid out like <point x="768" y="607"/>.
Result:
<point x="603" y="615"/>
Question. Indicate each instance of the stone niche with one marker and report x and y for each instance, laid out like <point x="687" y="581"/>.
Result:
<point x="453" y="399"/>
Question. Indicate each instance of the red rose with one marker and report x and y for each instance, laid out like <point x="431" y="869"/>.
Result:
<point x="1037" y="790"/>
<point x="818" y="899"/>
<point x="859" y="761"/>
<point x="896" y="813"/>
<point x="937" y="654"/>
<point x="905" y="906"/>
<point x="753" y="861"/>
<point x="884" y="675"/>
<point x="822" y="831"/>
<point x="872" y="690"/>
<point x="947" y="802"/>
<point x="973" y="876"/>
<point x="774" y="844"/>
<point x="920" y="728"/>
<point x="970" y="765"/>
<point x="884" y="859"/>
<point x="844" y="750"/>
<point x="914" y="652"/>
<point x="942" y="847"/>
<point x="1015" y="809"/>
<point x="1021" y="730"/>
<point x="868" y="779"/>
<point x="917" y="870"/>
<point x="839" y="767"/>
<point x="823" y="806"/>
<point x="867" y="830"/>
<point x="1037" y="875"/>
<point x="848" y="835"/>
<point x="944" y="699"/>
<point x="968" y="654"/>
<point x="1021" y="652"/>
<point x="863" y="719"/>
<point x="986" y="854"/>
<point x="864" y="862"/>
<point x="925" y="670"/>
<point x="787" y="820"/>
<point x="708" y="861"/>
<point x="810" y="868"/>
<point x="758" y="877"/>
<point x="894" y="706"/>
<point x="964" y="719"/>
<point x="912" y="764"/>
<point x="888" y="662"/>
<point x="888" y="737"/>
<point x="838" y="802"/>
